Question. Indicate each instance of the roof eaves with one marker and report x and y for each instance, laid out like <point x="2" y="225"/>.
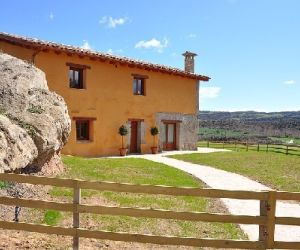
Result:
<point x="44" y="45"/>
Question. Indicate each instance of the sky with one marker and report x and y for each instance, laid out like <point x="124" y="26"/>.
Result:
<point x="249" y="48"/>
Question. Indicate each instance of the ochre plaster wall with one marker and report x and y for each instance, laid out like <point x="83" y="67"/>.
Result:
<point x="109" y="98"/>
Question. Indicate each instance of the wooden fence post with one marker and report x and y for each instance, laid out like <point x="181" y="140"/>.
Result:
<point x="76" y="215"/>
<point x="267" y="147"/>
<point x="268" y="208"/>
<point x="246" y="146"/>
<point x="257" y="147"/>
<point x="207" y="144"/>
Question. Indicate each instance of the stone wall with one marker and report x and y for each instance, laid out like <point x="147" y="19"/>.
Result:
<point x="186" y="127"/>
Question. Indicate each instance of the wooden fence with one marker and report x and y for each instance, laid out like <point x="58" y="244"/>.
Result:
<point x="291" y="149"/>
<point x="266" y="220"/>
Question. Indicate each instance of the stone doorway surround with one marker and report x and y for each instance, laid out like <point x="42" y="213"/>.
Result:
<point x="140" y="134"/>
<point x="186" y="129"/>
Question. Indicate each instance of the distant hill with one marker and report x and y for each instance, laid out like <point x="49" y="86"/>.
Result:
<point x="249" y="125"/>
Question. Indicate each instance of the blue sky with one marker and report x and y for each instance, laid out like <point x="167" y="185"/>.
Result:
<point x="250" y="48"/>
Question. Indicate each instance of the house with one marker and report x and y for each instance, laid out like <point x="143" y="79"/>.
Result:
<point x="104" y="91"/>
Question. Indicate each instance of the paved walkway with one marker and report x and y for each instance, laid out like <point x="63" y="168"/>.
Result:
<point x="220" y="179"/>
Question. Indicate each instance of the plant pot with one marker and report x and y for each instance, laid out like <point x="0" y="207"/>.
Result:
<point x="154" y="150"/>
<point x="123" y="151"/>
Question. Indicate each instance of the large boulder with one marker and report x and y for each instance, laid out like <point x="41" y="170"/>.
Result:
<point x="34" y="122"/>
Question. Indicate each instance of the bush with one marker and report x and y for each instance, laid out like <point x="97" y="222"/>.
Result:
<point x="123" y="130"/>
<point x="154" y="131"/>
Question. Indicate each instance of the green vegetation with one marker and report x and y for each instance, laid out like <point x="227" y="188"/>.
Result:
<point x="35" y="109"/>
<point x="123" y="131"/>
<point x="291" y="150"/>
<point x="278" y="171"/>
<point x="287" y="139"/>
<point x="249" y="125"/>
<point x="140" y="171"/>
<point x="217" y="132"/>
<point x="221" y="134"/>
<point x="129" y="170"/>
<point x="28" y="127"/>
<point x="4" y="184"/>
<point x="52" y="217"/>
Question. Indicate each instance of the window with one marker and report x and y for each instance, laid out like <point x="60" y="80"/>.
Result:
<point x="83" y="130"/>
<point x="77" y="75"/>
<point x="76" y="78"/>
<point x="139" y="86"/>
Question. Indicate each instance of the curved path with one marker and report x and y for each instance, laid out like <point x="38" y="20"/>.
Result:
<point x="220" y="179"/>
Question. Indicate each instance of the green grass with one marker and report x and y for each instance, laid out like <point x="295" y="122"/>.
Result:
<point x="126" y="170"/>
<point x="254" y="147"/>
<point x="287" y="139"/>
<point x="275" y="170"/>
<point x="140" y="171"/>
<point x="52" y="217"/>
<point x="136" y="171"/>
<point x="220" y="132"/>
<point x="4" y="184"/>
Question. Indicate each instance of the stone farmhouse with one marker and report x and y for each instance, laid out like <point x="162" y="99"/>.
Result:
<point x="104" y="91"/>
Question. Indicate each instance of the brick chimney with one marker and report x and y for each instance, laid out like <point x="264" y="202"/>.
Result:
<point x="189" y="61"/>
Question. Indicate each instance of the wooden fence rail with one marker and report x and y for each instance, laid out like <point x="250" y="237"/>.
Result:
<point x="266" y="220"/>
<point x="292" y="149"/>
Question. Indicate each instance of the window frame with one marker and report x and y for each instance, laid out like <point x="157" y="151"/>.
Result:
<point x="138" y="86"/>
<point x="89" y="132"/>
<point x="139" y="90"/>
<point x="80" y="84"/>
<point x="81" y="69"/>
<point x="80" y="136"/>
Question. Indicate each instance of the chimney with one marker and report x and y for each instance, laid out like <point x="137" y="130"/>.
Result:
<point x="189" y="61"/>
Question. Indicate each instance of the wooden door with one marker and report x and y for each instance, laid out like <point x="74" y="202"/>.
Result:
<point x="134" y="137"/>
<point x="170" y="136"/>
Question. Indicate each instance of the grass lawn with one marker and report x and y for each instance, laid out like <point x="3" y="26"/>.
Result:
<point x="139" y="171"/>
<point x="287" y="139"/>
<point x="253" y="147"/>
<point x="275" y="170"/>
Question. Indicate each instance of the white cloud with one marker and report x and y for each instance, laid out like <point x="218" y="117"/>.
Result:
<point x="152" y="44"/>
<point x="51" y="16"/>
<point x="114" y="52"/>
<point x="86" y="45"/>
<point x="209" y="92"/>
<point x="289" y="82"/>
<point x="191" y="35"/>
<point x="111" y="22"/>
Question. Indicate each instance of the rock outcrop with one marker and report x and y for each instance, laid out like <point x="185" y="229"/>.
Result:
<point x="34" y="122"/>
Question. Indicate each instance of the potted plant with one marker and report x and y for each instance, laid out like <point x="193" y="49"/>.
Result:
<point x="123" y="131"/>
<point x="154" y="132"/>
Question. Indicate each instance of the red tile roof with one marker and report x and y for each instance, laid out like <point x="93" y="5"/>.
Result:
<point x="44" y="46"/>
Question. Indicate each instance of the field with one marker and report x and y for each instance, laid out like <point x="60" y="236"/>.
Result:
<point x="216" y="132"/>
<point x="222" y="134"/>
<point x="278" y="171"/>
<point x="136" y="171"/>
<point x="239" y="146"/>
<point x="139" y="171"/>
<point x="249" y="125"/>
<point x="287" y="139"/>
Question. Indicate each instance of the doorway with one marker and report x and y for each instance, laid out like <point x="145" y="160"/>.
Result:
<point x="134" y="137"/>
<point x="170" y="136"/>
